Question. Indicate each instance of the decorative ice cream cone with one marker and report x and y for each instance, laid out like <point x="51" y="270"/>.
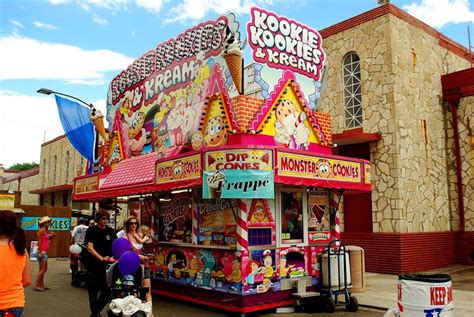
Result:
<point x="232" y="54"/>
<point x="234" y="62"/>
<point x="97" y="119"/>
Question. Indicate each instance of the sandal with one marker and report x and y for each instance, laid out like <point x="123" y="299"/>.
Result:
<point x="46" y="288"/>
<point x="39" y="289"/>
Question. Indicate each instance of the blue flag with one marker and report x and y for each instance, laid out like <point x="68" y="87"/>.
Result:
<point x="78" y="128"/>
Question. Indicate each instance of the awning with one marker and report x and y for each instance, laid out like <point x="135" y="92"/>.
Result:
<point x="15" y="210"/>
<point x="355" y="136"/>
<point x="51" y="189"/>
<point x="131" y="176"/>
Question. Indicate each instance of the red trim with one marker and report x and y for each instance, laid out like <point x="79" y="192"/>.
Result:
<point x="458" y="85"/>
<point x="51" y="189"/>
<point x="247" y="309"/>
<point x="322" y="183"/>
<point x="53" y="140"/>
<point x="355" y="136"/>
<point x="380" y="11"/>
<point x="394" y="253"/>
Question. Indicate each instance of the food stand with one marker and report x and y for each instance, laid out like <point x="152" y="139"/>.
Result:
<point x="241" y="190"/>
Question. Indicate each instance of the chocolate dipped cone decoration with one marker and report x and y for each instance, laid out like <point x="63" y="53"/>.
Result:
<point x="97" y="119"/>
<point x="232" y="54"/>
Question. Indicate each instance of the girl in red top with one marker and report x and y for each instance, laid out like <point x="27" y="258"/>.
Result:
<point x="14" y="266"/>
<point x="44" y="239"/>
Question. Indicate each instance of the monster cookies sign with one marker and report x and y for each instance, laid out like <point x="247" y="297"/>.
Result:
<point x="283" y="43"/>
<point x="304" y="166"/>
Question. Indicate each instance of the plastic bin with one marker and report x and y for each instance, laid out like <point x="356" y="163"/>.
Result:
<point x="425" y="295"/>
<point x="357" y="260"/>
<point x="337" y="270"/>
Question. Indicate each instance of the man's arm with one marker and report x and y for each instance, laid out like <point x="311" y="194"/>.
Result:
<point x="95" y="254"/>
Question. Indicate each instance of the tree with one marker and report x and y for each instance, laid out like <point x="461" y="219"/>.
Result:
<point x="23" y="166"/>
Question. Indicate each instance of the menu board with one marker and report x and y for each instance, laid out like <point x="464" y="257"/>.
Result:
<point x="217" y="224"/>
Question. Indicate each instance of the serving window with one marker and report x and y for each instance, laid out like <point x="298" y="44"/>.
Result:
<point x="293" y="224"/>
<point x="175" y="213"/>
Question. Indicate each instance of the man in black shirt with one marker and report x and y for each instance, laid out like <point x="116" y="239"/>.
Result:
<point x="99" y="240"/>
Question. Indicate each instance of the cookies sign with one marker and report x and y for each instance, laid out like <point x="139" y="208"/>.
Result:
<point x="184" y="168"/>
<point x="283" y="43"/>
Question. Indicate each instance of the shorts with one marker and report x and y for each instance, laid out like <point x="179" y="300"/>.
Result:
<point x="146" y="272"/>
<point x="42" y="256"/>
<point x="13" y="312"/>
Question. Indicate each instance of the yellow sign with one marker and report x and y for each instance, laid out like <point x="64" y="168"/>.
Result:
<point x="243" y="159"/>
<point x="184" y="168"/>
<point x="7" y="201"/>
<point x="296" y="165"/>
<point x="86" y="185"/>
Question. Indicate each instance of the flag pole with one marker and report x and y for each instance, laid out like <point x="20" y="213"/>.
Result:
<point x="46" y="91"/>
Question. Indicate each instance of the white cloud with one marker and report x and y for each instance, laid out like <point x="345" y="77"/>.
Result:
<point x="26" y="58"/>
<point x="16" y="23"/>
<point x="55" y="2"/>
<point x="29" y="121"/>
<point x="42" y="25"/>
<point x="198" y="9"/>
<point x="438" y="13"/>
<point x="100" y="20"/>
<point x="153" y="6"/>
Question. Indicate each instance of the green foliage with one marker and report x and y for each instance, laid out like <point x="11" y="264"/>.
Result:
<point x="23" y="166"/>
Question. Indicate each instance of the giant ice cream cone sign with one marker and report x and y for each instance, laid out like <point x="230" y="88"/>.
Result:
<point x="97" y="119"/>
<point x="232" y="54"/>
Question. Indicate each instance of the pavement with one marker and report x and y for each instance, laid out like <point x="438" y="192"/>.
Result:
<point x="380" y="295"/>
<point x="381" y="289"/>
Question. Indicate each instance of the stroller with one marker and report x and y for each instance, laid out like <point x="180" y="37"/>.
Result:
<point x="79" y="278"/>
<point x="127" y="294"/>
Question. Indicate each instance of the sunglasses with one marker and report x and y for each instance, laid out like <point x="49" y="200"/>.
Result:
<point x="133" y="223"/>
<point x="104" y="218"/>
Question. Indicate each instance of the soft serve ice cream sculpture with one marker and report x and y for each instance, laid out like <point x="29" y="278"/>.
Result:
<point x="232" y="54"/>
<point x="97" y="119"/>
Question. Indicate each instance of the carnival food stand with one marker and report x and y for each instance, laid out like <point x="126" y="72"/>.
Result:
<point x="237" y="179"/>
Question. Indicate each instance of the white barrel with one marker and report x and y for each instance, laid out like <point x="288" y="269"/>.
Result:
<point x="337" y="270"/>
<point x="425" y="295"/>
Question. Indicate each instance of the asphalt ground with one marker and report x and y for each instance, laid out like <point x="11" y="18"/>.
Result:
<point x="65" y="300"/>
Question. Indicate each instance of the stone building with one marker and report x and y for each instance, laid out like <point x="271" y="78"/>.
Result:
<point x="21" y="181"/>
<point x="59" y="164"/>
<point x="384" y="91"/>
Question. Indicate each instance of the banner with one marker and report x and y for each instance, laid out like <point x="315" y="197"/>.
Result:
<point x="78" y="127"/>
<point x="57" y="224"/>
<point x="184" y="168"/>
<point x="238" y="184"/>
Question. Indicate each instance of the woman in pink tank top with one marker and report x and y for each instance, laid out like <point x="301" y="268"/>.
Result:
<point x="44" y="240"/>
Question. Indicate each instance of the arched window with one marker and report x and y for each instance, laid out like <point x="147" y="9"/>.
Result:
<point x="44" y="173"/>
<point x="67" y="167"/>
<point x="55" y="169"/>
<point x="352" y="91"/>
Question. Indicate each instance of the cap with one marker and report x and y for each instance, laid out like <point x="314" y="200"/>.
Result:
<point x="44" y="219"/>
<point x="266" y="252"/>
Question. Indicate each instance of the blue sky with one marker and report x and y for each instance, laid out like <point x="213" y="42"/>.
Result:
<point x="78" y="46"/>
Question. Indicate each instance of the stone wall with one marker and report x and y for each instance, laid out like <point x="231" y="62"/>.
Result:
<point x="27" y="184"/>
<point x="422" y="124"/>
<point x="60" y="163"/>
<point x="466" y="137"/>
<point x="401" y="66"/>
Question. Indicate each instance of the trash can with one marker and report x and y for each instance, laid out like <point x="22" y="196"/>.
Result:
<point x="422" y="294"/>
<point x="336" y="262"/>
<point x="357" y="260"/>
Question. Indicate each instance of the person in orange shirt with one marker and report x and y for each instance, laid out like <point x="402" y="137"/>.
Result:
<point x="44" y="237"/>
<point x="14" y="266"/>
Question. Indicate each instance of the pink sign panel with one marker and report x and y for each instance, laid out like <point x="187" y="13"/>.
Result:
<point x="283" y="43"/>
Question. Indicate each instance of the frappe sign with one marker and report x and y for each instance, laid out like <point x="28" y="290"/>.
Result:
<point x="283" y="43"/>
